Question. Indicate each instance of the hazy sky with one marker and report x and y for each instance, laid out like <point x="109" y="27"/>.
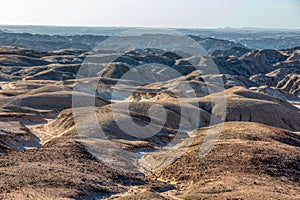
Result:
<point x="153" y="13"/>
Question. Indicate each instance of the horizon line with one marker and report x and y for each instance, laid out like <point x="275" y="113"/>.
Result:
<point x="157" y="27"/>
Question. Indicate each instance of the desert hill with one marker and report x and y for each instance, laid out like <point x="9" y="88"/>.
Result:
<point x="55" y="145"/>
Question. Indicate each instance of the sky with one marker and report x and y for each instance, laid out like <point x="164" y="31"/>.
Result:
<point x="153" y="13"/>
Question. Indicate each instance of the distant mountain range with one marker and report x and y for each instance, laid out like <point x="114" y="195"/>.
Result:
<point x="253" y="38"/>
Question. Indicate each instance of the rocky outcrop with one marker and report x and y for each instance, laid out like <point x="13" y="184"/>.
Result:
<point x="264" y="58"/>
<point x="291" y="84"/>
<point x="247" y="105"/>
<point x="277" y="93"/>
<point x="14" y="135"/>
<point x="232" y="52"/>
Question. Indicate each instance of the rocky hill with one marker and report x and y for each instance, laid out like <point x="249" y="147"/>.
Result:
<point x="51" y="146"/>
